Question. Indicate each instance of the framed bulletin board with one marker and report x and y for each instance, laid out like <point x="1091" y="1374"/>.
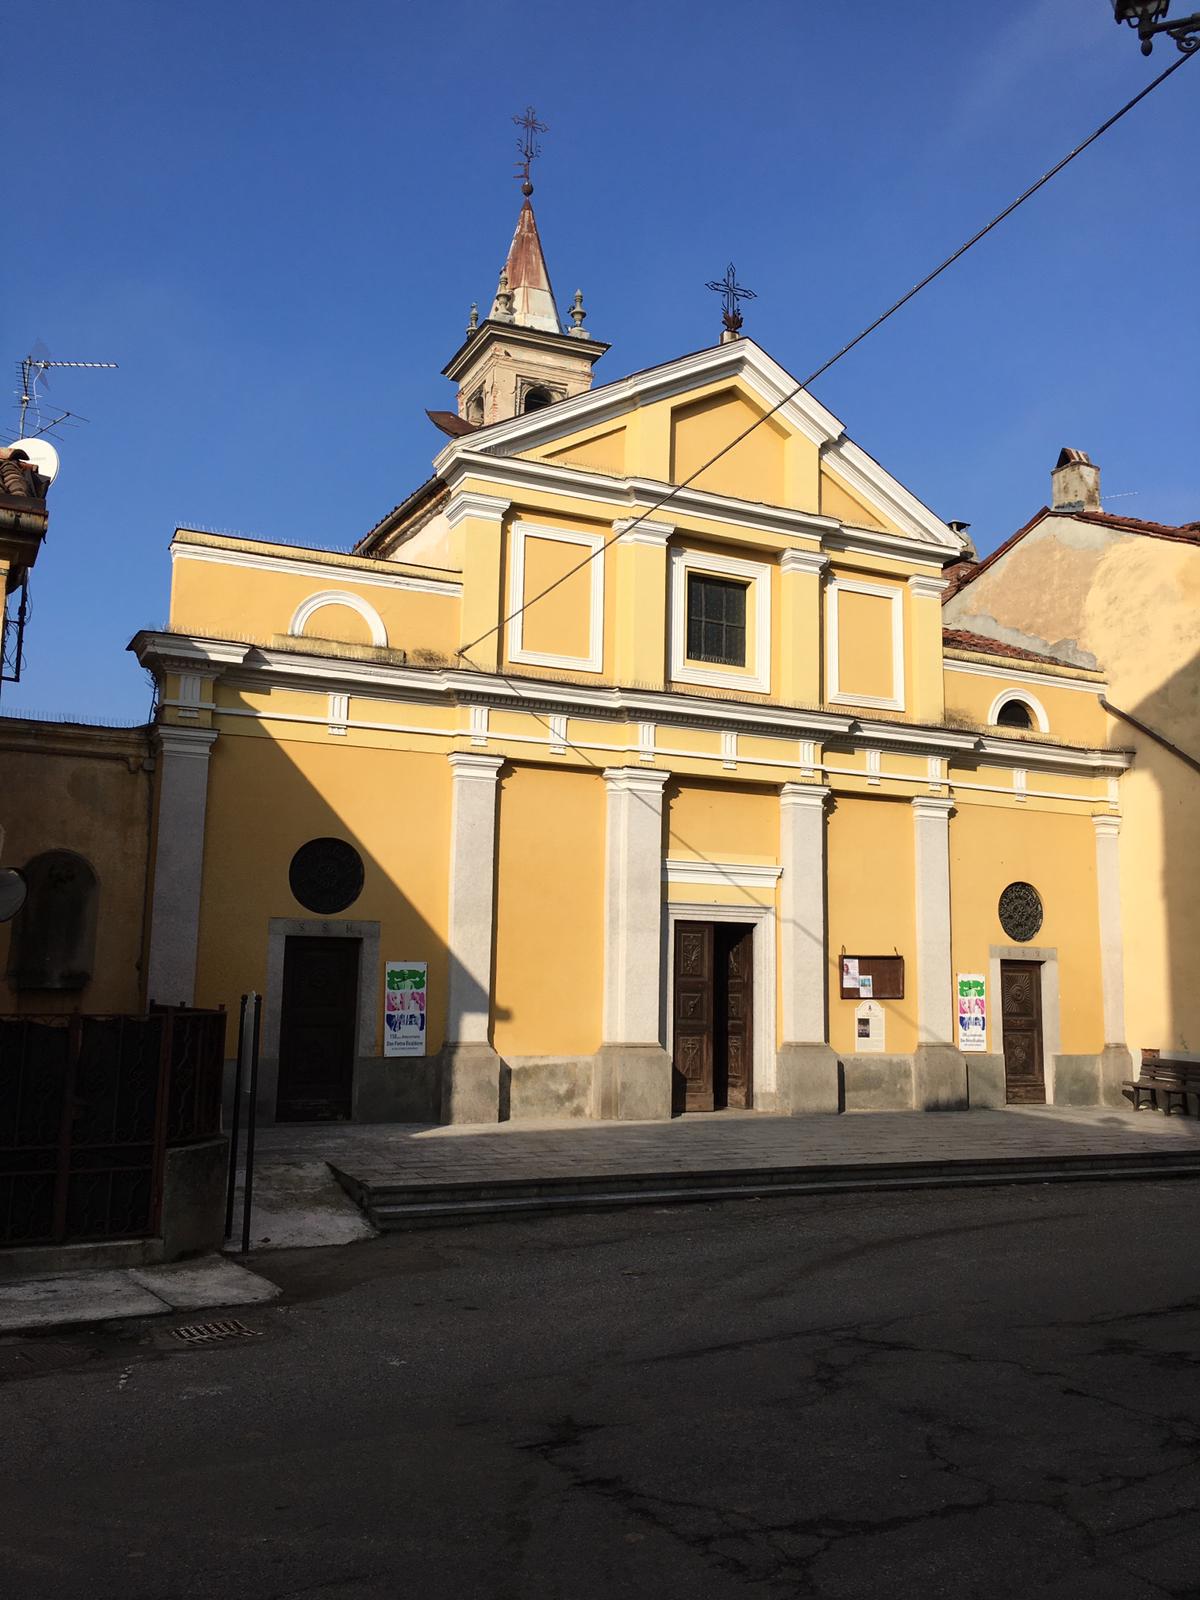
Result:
<point x="884" y="977"/>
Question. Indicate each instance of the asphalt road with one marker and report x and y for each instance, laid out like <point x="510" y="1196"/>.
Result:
<point x="992" y="1393"/>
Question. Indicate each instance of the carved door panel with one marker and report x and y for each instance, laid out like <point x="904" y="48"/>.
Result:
<point x="1021" y="1010"/>
<point x="693" y="1019"/>
<point x="735" y="1016"/>
<point x="317" y="1029"/>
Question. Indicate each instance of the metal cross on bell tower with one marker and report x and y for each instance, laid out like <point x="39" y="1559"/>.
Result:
<point x="528" y="147"/>
<point x="731" y="290"/>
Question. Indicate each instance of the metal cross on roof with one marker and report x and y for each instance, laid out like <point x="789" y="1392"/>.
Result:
<point x="527" y="145"/>
<point x="731" y="289"/>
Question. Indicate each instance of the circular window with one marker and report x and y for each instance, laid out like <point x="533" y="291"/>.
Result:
<point x="326" y="875"/>
<point x="1021" y="912"/>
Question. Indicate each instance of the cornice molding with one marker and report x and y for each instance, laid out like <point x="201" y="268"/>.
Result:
<point x="722" y="874"/>
<point x="1030" y="672"/>
<point x="808" y="561"/>
<point x="484" y="507"/>
<point x="176" y="741"/>
<point x="927" y="588"/>
<point x="300" y="567"/>
<point x="630" y="531"/>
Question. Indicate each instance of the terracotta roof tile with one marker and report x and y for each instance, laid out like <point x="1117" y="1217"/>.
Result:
<point x="961" y="639"/>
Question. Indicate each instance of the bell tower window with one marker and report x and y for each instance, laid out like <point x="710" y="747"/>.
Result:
<point x="536" y="398"/>
<point x="474" y="412"/>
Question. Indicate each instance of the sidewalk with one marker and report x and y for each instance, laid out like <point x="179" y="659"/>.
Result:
<point x="403" y="1174"/>
<point x="106" y="1294"/>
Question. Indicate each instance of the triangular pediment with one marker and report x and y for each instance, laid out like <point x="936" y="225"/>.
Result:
<point x="667" y="423"/>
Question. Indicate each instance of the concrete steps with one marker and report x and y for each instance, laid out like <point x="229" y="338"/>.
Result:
<point x="391" y="1205"/>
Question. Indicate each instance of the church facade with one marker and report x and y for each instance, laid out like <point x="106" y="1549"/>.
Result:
<point x="602" y="781"/>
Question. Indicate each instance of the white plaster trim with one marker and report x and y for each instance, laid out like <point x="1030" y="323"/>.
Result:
<point x="464" y="503"/>
<point x="1020" y="779"/>
<point x="305" y="611"/>
<point x="646" y="741"/>
<point x="874" y="767"/>
<point x="633" y="806"/>
<point x="935" y="1011"/>
<point x="339" y="713"/>
<point x="472" y="895"/>
<point x="593" y="661"/>
<point x="558" y="733"/>
<point x="762" y="919"/>
<point x="811" y="562"/>
<point x="654" y="534"/>
<point x="478" y="726"/>
<point x="864" y="477"/>
<point x="1051" y="1027"/>
<point x="892" y="592"/>
<point x="758" y="575"/>
<point x="803" y="935"/>
<point x="185" y="741"/>
<point x="1044" y="680"/>
<point x="1026" y="699"/>
<point x="316" y="569"/>
<point x="279" y="931"/>
<point x="924" y="587"/>
<point x="729" y="750"/>
<point x="1112" y="942"/>
<point x="717" y="874"/>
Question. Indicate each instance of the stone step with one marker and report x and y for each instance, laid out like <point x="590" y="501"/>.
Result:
<point x="395" y="1205"/>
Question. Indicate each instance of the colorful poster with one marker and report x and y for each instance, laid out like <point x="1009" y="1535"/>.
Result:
<point x="404" y="1008"/>
<point x="972" y="1011"/>
<point x="849" y="972"/>
<point x="866" y="985"/>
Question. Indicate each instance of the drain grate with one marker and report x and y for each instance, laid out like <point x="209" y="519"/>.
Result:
<point x="207" y="1332"/>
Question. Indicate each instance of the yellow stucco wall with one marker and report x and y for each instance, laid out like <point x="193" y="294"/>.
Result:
<point x="266" y="797"/>
<point x="1073" y="714"/>
<point x="837" y="501"/>
<point x="721" y="822"/>
<point x="870" y="889"/>
<point x="992" y="846"/>
<point x="752" y="470"/>
<point x="595" y="452"/>
<point x="549" y="912"/>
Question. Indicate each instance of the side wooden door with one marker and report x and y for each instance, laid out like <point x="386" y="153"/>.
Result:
<point x="317" y="1029"/>
<point x="692" y="1056"/>
<point x="735" y="1015"/>
<point x="1021" y="1010"/>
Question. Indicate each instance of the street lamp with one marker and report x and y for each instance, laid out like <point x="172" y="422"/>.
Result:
<point x="1149" y="18"/>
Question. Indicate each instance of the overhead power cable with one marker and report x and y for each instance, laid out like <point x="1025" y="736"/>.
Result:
<point x="845" y="350"/>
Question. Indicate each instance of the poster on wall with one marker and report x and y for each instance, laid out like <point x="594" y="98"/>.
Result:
<point x="868" y="1027"/>
<point x="972" y="1011"/>
<point x="404" y="995"/>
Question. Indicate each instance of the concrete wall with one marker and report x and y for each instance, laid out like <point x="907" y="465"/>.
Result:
<point x="68" y="786"/>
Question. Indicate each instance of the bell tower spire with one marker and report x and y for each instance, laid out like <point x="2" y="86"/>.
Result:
<point x="519" y="358"/>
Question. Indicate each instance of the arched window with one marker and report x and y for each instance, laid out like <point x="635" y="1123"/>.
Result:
<point x="535" y="399"/>
<point x="1014" y="714"/>
<point x="475" y="409"/>
<point x="54" y="933"/>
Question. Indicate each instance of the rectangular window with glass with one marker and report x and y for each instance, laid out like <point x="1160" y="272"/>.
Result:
<point x="716" y="620"/>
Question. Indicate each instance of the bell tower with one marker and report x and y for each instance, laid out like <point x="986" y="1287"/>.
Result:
<point x="519" y="359"/>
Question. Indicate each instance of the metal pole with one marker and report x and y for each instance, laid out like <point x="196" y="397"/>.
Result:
<point x="231" y="1184"/>
<point x="251" y="1116"/>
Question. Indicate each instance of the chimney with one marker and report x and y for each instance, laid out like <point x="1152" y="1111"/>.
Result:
<point x="1074" y="483"/>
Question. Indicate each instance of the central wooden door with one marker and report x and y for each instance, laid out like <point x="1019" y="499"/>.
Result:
<point x="317" y="1029"/>
<point x="713" y="1016"/>
<point x="1021" y="1011"/>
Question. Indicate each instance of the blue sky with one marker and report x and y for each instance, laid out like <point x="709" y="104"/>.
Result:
<point x="275" y="215"/>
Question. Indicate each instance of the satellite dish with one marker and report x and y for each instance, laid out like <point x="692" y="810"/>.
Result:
<point x="13" y="890"/>
<point x="42" y="453"/>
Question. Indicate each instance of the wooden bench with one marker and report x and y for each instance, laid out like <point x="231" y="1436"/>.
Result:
<point x="1166" y="1085"/>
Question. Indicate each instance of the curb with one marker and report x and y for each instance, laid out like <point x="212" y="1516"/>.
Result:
<point x="394" y="1206"/>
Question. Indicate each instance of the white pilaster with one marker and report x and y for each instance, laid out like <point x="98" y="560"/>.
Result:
<point x="632" y="904"/>
<point x="802" y="911"/>
<point x="472" y="895"/>
<point x="935" y="1009"/>
<point x="1112" y="947"/>
<point x="178" y="863"/>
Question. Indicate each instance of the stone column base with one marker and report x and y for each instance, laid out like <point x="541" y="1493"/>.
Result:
<point x="633" y="1083"/>
<point x="939" y="1078"/>
<point x="470" y="1083"/>
<point x="1116" y="1064"/>
<point x="986" y="1088"/>
<point x="807" y="1080"/>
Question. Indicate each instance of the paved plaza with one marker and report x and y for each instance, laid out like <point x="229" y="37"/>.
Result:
<point x="724" y="1142"/>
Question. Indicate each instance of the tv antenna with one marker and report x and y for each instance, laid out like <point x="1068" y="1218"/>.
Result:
<point x="33" y="370"/>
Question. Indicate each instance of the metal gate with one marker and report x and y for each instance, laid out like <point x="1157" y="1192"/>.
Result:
<point x="88" y="1106"/>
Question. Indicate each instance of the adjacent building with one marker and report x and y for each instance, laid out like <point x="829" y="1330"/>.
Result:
<point x="596" y="781"/>
<point x="1100" y="590"/>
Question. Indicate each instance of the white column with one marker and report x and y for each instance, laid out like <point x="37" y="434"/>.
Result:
<point x="802" y="911"/>
<point x="935" y="988"/>
<point x="806" y="1068"/>
<point x="472" y="895"/>
<point x="633" y="1072"/>
<point x="939" y="1068"/>
<point x="633" y="905"/>
<point x="182" y="755"/>
<point x="1112" y="946"/>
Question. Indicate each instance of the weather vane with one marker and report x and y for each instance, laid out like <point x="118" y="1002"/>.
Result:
<point x="527" y="145"/>
<point x="732" y="291"/>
